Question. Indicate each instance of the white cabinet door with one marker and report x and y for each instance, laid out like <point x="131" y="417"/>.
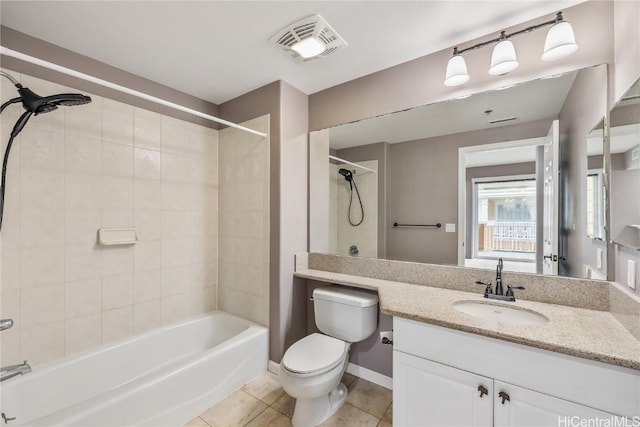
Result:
<point x="529" y="408"/>
<point x="426" y="394"/>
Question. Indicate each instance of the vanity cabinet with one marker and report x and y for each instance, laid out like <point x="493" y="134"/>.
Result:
<point x="444" y="377"/>
<point x="428" y="394"/>
<point x="529" y="408"/>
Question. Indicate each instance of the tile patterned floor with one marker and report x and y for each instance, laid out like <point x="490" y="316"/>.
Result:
<point x="263" y="403"/>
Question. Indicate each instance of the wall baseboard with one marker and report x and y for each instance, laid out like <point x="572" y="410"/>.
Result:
<point x="273" y="367"/>
<point x="355" y="370"/>
<point x="369" y="375"/>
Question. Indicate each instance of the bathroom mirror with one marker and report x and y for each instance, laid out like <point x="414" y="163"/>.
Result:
<point x="625" y="171"/>
<point x="462" y="182"/>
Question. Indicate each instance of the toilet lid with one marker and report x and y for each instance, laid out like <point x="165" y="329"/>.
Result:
<point x="313" y="353"/>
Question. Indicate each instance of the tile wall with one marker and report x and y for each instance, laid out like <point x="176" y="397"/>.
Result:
<point x="105" y="164"/>
<point x="244" y="222"/>
<point x="365" y="235"/>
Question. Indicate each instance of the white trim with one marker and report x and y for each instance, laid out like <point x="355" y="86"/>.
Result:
<point x="369" y="375"/>
<point x="462" y="201"/>
<point x="68" y="71"/>
<point x="462" y="182"/>
<point x="504" y="178"/>
<point x="351" y="163"/>
<point x="273" y="367"/>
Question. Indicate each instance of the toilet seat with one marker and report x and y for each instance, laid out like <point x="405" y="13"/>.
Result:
<point x="314" y="354"/>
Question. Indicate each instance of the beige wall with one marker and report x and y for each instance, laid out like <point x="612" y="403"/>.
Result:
<point x="420" y="82"/>
<point x="294" y="157"/>
<point x="104" y="164"/>
<point x="288" y="109"/>
<point x="322" y="225"/>
<point x="626" y="72"/>
<point x="266" y="100"/>
<point x="626" y="33"/>
<point x="244" y="219"/>
<point x="583" y="109"/>
<point x="422" y="188"/>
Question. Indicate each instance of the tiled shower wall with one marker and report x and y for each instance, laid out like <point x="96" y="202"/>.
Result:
<point x="364" y="236"/>
<point x="105" y="164"/>
<point x="244" y="222"/>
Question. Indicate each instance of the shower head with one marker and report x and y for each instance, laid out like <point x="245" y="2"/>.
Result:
<point x="43" y="104"/>
<point x="35" y="104"/>
<point x="347" y="174"/>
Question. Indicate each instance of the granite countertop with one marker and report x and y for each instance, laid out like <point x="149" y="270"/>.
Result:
<point x="590" y="334"/>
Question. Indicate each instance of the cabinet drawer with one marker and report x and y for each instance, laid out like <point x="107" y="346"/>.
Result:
<point x="598" y="385"/>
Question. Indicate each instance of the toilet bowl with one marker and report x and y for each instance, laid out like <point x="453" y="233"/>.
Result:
<point x="311" y="368"/>
<point x="311" y="371"/>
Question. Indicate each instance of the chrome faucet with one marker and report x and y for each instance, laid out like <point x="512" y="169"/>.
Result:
<point x="14" y="370"/>
<point x="499" y="294"/>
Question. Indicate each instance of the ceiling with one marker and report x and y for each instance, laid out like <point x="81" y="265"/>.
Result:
<point x="217" y="50"/>
<point x="535" y="100"/>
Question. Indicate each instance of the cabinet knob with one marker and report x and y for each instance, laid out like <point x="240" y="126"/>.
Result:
<point x="483" y="390"/>
<point x="504" y="396"/>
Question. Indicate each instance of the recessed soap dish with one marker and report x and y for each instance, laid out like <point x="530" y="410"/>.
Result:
<point x="117" y="236"/>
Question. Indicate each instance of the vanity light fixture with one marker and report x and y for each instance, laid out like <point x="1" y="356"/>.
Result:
<point x="560" y="43"/>
<point x="456" y="70"/>
<point x="503" y="59"/>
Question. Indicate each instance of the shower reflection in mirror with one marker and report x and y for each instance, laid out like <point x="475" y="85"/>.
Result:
<point x="353" y="208"/>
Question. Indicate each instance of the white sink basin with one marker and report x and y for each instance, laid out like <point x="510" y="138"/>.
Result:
<point x="500" y="312"/>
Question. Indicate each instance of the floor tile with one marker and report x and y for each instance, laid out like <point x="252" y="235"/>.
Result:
<point x="285" y="404"/>
<point x="347" y="379"/>
<point x="388" y="415"/>
<point x="270" y="418"/>
<point x="266" y="388"/>
<point x="369" y="397"/>
<point x="352" y="417"/>
<point x="196" y="422"/>
<point x="384" y="423"/>
<point x="236" y="410"/>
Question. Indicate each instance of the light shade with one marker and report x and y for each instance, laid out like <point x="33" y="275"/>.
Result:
<point x="456" y="71"/>
<point x="560" y="42"/>
<point x="309" y="47"/>
<point x="503" y="59"/>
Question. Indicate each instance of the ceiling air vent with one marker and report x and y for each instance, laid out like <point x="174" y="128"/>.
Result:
<point x="312" y="29"/>
<point x="506" y="119"/>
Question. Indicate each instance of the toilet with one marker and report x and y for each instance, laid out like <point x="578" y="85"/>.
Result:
<point x="311" y="368"/>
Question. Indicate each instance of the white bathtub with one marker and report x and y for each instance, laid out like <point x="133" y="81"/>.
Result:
<point x="161" y="378"/>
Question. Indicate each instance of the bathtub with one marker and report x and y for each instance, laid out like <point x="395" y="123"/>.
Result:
<point x="160" y="378"/>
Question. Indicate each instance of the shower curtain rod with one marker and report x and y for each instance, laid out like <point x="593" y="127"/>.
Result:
<point x="68" y="71"/>
<point x="351" y="163"/>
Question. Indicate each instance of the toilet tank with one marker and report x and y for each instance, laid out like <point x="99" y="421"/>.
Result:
<point x="345" y="313"/>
